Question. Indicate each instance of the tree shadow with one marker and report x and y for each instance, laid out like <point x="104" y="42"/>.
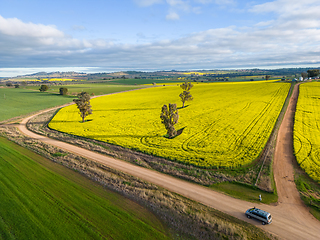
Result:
<point x="183" y="107"/>
<point x="86" y="120"/>
<point x="179" y="132"/>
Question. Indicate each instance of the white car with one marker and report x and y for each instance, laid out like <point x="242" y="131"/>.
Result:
<point x="259" y="214"/>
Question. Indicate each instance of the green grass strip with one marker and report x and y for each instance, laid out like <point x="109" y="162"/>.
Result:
<point x="245" y="192"/>
<point x="37" y="203"/>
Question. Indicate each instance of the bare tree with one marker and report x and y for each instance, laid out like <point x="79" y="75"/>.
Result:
<point x="169" y="117"/>
<point x="83" y="104"/>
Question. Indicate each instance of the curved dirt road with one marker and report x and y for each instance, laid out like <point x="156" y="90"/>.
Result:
<point x="291" y="219"/>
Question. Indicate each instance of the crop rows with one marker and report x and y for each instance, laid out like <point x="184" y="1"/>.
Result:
<point x="307" y="129"/>
<point x="226" y="125"/>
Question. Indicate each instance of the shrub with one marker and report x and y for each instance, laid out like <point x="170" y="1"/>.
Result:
<point x="43" y="88"/>
<point x="63" y="91"/>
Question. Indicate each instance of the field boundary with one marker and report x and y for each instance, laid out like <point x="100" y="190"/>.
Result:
<point x="268" y="152"/>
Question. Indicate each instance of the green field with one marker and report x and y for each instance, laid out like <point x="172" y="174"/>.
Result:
<point x="18" y="101"/>
<point x="38" y="203"/>
<point x="132" y="81"/>
<point x="226" y="125"/>
<point x="245" y="192"/>
<point x="307" y="129"/>
<point x="95" y="88"/>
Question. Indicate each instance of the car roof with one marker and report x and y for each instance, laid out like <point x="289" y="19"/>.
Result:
<point x="257" y="210"/>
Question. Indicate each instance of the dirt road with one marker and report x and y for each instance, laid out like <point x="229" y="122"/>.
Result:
<point x="291" y="219"/>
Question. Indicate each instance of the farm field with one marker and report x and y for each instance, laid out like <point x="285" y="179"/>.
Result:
<point x="226" y="125"/>
<point x="18" y="101"/>
<point x="47" y="79"/>
<point x="95" y="88"/>
<point x="307" y="129"/>
<point x="38" y="203"/>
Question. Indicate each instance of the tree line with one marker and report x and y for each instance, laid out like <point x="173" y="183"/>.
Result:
<point x="170" y="115"/>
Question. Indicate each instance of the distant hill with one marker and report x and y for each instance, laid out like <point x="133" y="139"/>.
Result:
<point x="192" y="74"/>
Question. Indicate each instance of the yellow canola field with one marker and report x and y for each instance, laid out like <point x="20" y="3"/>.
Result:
<point x="307" y="129"/>
<point x="226" y="125"/>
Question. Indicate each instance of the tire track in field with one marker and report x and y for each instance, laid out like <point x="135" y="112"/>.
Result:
<point x="267" y="126"/>
<point x="254" y="122"/>
<point x="196" y="138"/>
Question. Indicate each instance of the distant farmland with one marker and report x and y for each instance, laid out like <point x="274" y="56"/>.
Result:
<point x="226" y="125"/>
<point x="307" y="129"/>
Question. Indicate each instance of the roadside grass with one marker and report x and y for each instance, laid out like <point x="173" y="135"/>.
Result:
<point x="38" y="203"/>
<point x="309" y="192"/>
<point x="245" y="192"/>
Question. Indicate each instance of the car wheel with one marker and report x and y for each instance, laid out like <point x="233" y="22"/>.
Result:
<point x="248" y="216"/>
<point x="263" y="223"/>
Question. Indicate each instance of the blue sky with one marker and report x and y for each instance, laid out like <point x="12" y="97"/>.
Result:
<point x="105" y="35"/>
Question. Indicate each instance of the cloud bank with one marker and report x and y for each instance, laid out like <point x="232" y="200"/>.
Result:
<point x="290" y="37"/>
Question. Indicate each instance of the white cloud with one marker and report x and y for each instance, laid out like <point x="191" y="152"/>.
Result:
<point x="78" y="28"/>
<point x="291" y="14"/>
<point x="15" y="27"/>
<point x="172" y="16"/>
<point x="219" y="2"/>
<point x="203" y="1"/>
<point x="264" y="24"/>
<point x="224" y="2"/>
<point x="285" y="6"/>
<point x="176" y="2"/>
<point x="180" y="5"/>
<point x="147" y="3"/>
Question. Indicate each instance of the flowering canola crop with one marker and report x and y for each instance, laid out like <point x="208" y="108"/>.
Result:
<point x="226" y="125"/>
<point x="307" y="129"/>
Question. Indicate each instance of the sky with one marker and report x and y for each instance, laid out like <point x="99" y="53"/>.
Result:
<point x="152" y="35"/>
